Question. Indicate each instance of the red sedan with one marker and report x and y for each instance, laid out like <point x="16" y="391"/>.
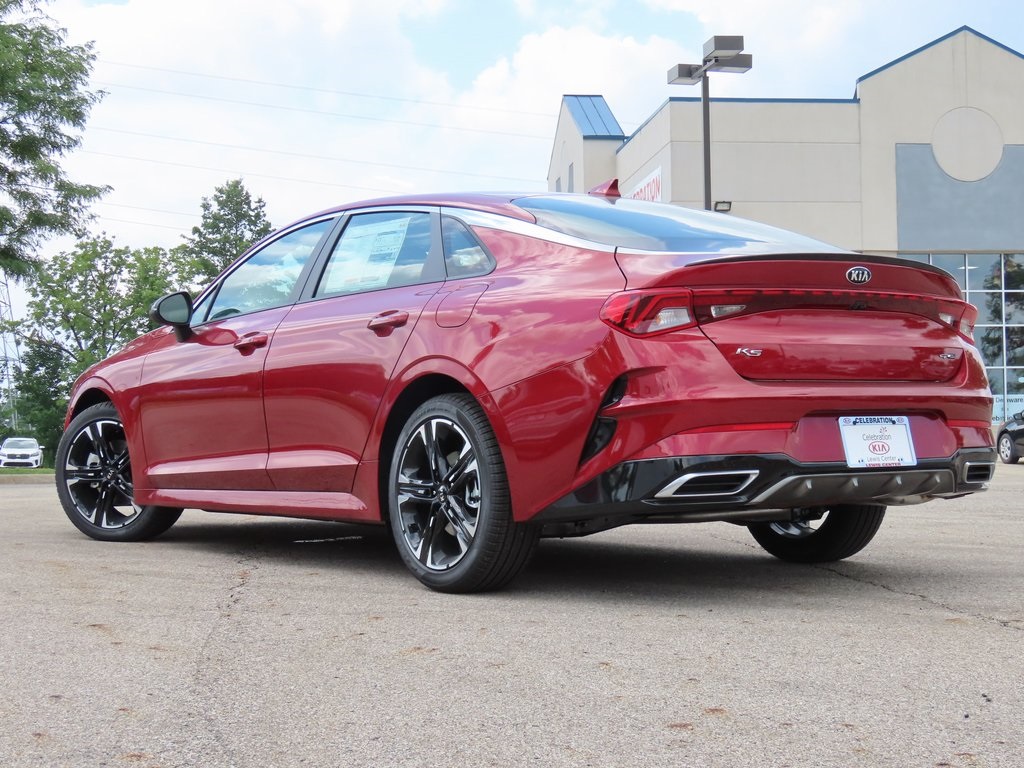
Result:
<point x="479" y="371"/>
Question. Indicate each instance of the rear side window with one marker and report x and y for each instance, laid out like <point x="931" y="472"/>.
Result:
<point x="642" y="225"/>
<point x="380" y="250"/>
<point x="464" y="255"/>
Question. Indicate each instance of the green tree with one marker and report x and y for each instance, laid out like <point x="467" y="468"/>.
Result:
<point x="44" y="101"/>
<point x="94" y="299"/>
<point x="232" y="221"/>
<point x="85" y="304"/>
<point x="43" y="383"/>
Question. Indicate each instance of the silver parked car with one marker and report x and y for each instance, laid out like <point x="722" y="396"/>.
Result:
<point x="21" y="452"/>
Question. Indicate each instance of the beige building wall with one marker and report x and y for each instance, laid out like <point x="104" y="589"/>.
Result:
<point x="953" y="96"/>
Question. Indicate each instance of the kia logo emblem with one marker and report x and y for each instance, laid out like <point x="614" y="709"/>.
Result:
<point x="878" y="448"/>
<point x="858" y="275"/>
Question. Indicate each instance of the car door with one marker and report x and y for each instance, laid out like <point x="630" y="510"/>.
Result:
<point x="201" y="399"/>
<point x="335" y="352"/>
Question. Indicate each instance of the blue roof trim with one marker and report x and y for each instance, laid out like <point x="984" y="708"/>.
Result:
<point x="593" y="117"/>
<point x="942" y="39"/>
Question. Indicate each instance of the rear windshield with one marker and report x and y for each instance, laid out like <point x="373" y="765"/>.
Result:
<point x="626" y="223"/>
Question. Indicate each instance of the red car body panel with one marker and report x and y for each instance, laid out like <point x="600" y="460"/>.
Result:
<point x="286" y="410"/>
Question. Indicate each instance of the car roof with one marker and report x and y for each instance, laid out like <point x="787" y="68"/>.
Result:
<point x="492" y="202"/>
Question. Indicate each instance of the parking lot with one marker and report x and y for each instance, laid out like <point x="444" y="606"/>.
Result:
<point x="243" y="641"/>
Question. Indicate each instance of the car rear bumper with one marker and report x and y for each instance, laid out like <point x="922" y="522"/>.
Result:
<point x="747" y="488"/>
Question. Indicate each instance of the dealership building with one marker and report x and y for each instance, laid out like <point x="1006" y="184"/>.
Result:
<point x="925" y="162"/>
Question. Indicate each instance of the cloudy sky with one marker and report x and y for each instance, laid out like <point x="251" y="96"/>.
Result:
<point x="318" y="102"/>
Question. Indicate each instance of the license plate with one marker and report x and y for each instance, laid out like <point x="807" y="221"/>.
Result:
<point x="877" y="441"/>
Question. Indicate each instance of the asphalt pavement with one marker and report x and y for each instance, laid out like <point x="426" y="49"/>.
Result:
<point x="246" y="641"/>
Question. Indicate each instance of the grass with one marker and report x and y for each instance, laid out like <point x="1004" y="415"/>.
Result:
<point x="25" y="471"/>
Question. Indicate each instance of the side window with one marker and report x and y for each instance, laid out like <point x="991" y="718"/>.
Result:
<point x="464" y="255"/>
<point x="268" y="277"/>
<point x="380" y="250"/>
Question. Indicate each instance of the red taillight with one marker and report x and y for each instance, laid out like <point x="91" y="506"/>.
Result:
<point x="712" y="304"/>
<point x="648" y="313"/>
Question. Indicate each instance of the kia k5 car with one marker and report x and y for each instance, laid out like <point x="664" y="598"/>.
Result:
<point x="20" y="452"/>
<point x="480" y="371"/>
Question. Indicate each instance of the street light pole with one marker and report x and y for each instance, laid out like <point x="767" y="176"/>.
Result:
<point x="722" y="53"/>
<point x="705" y="105"/>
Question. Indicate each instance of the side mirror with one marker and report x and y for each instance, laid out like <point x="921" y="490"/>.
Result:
<point x="175" y="310"/>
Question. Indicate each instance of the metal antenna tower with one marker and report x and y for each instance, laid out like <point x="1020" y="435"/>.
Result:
<point x="10" y="358"/>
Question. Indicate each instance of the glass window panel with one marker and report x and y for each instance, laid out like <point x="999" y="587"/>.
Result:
<point x="268" y="277"/>
<point x="1015" y="345"/>
<point x="464" y="256"/>
<point x="1013" y="271"/>
<point x="952" y="263"/>
<point x="989" y="342"/>
<point x="984" y="272"/>
<point x="995" y="384"/>
<point x="1014" y="308"/>
<point x="379" y="250"/>
<point x="1014" y="400"/>
<point x="995" y="380"/>
<point x="990" y="307"/>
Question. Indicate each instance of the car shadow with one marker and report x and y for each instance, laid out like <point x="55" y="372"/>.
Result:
<point x="591" y="568"/>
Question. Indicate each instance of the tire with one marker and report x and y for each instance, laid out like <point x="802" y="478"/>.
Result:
<point x="448" y="500"/>
<point x="94" y="480"/>
<point x="1007" y="450"/>
<point x="841" y="531"/>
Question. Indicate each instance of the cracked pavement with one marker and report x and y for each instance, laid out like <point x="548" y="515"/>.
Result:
<point x="245" y="641"/>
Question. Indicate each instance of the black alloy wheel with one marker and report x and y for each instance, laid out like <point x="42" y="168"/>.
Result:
<point x="94" y="480"/>
<point x="448" y="500"/>
<point x="820" y="534"/>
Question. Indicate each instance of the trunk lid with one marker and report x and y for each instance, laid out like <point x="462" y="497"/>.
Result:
<point x="827" y="317"/>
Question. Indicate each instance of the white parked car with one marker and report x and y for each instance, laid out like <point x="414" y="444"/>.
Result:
<point x="21" y="452"/>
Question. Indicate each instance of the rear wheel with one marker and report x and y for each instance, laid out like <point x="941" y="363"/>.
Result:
<point x="821" y="534"/>
<point x="1007" y="450"/>
<point x="448" y="500"/>
<point x="94" y="480"/>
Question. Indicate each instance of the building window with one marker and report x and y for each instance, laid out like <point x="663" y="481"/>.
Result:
<point x="572" y="180"/>
<point x="994" y="284"/>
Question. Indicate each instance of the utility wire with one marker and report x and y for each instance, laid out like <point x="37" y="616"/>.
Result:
<point x="313" y="89"/>
<point x="348" y="116"/>
<point x="141" y="223"/>
<point x="399" y="166"/>
<point x="233" y="172"/>
<point x="153" y="210"/>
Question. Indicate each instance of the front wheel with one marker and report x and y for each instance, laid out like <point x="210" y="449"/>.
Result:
<point x="821" y="534"/>
<point x="94" y="480"/>
<point x="1007" y="450"/>
<point x="448" y="500"/>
